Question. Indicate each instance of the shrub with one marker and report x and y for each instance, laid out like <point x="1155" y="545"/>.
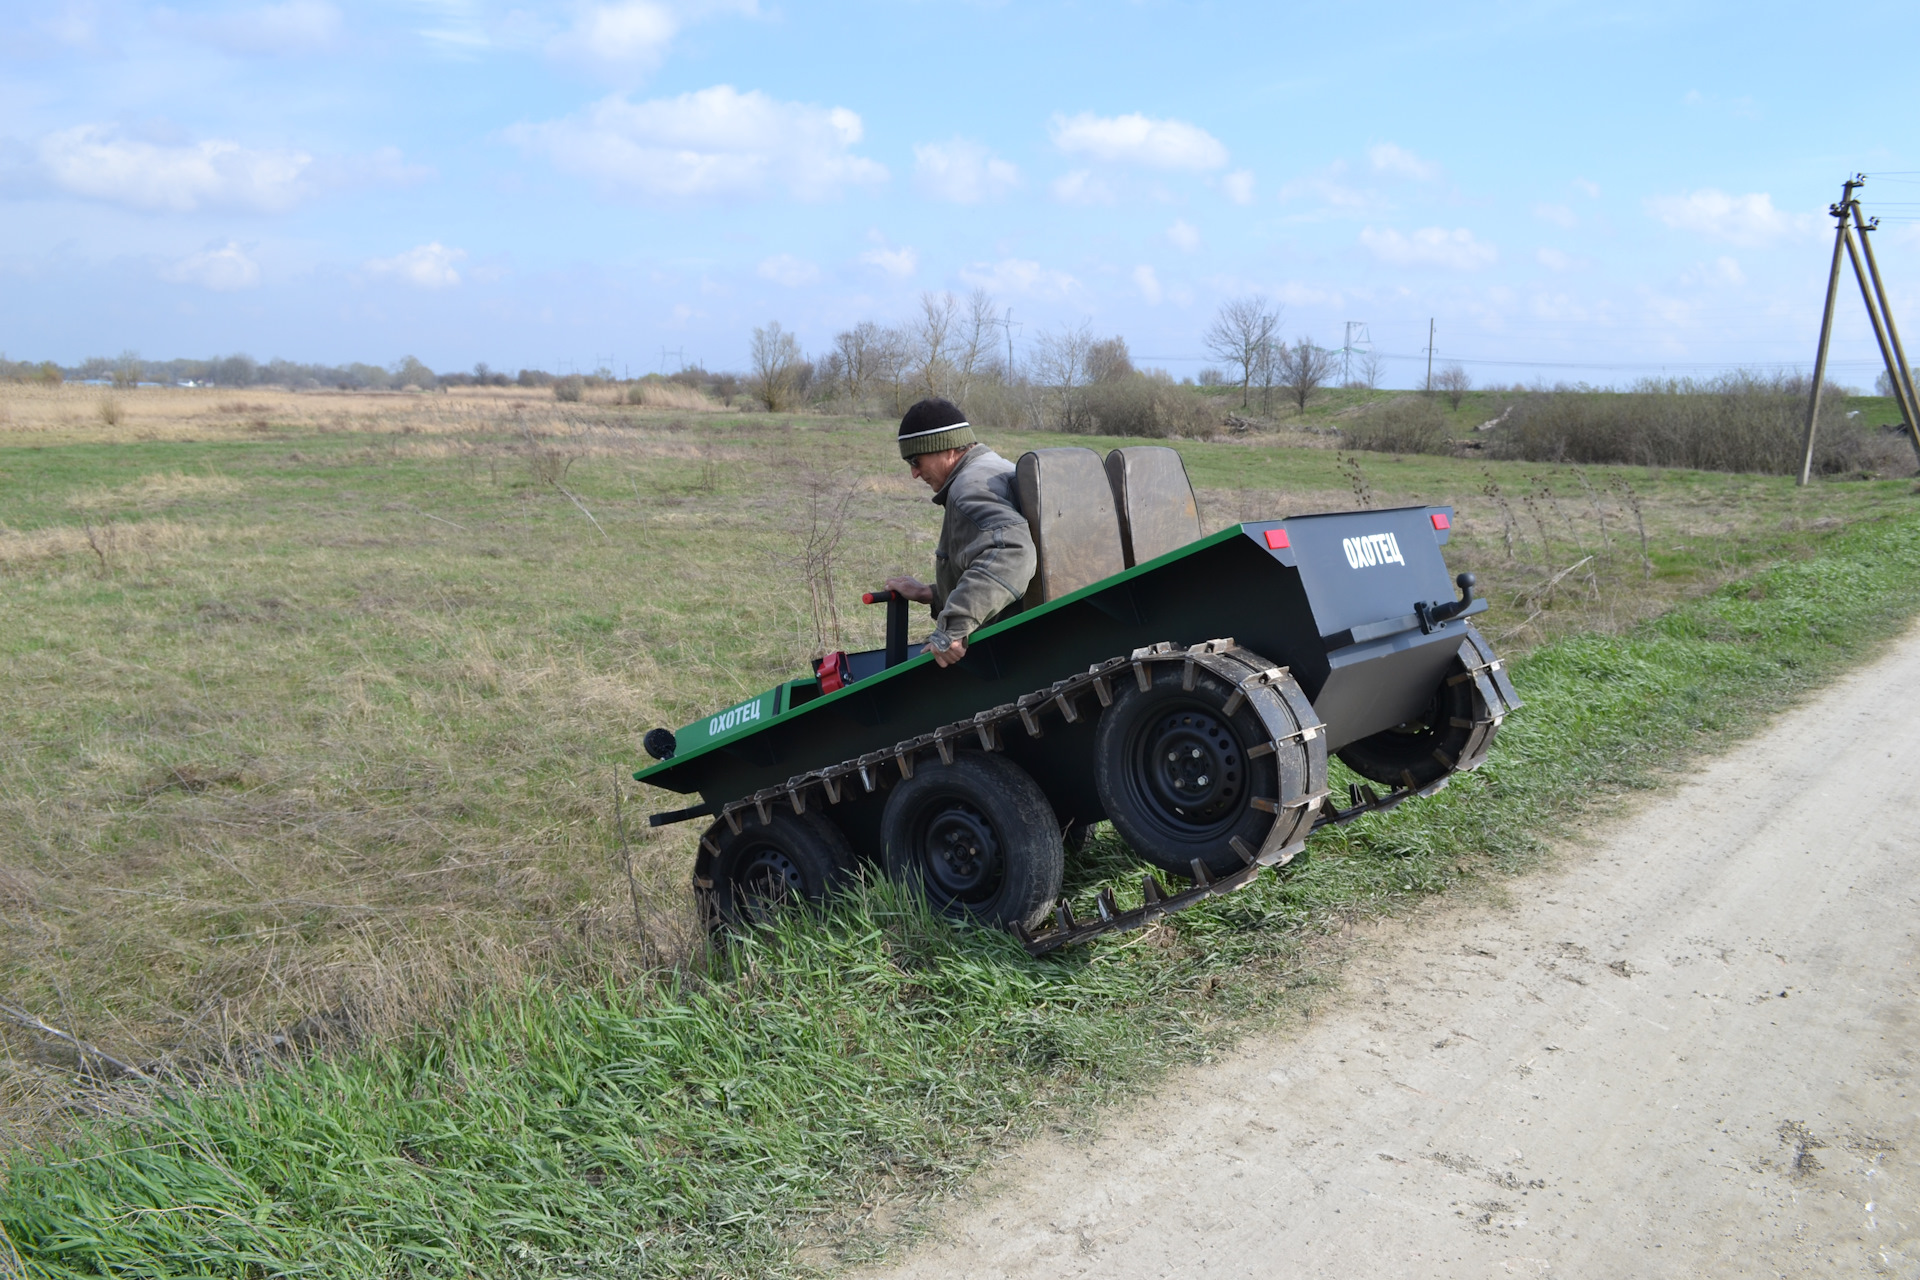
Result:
<point x="570" y="388"/>
<point x="1737" y="422"/>
<point x="658" y="393"/>
<point x="1405" y="424"/>
<point x="1453" y="382"/>
<point x="1144" y="404"/>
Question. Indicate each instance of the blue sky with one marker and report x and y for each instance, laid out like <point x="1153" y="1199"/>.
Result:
<point x="1579" y="191"/>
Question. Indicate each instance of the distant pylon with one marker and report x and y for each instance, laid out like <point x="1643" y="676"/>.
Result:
<point x="1357" y="340"/>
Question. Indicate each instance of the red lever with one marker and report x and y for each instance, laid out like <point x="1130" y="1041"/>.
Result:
<point x="832" y="671"/>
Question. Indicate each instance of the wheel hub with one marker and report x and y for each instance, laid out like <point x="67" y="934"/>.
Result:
<point x="768" y="878"/>
<point x="1193" y="767"/>
<point x="961" y="854"/>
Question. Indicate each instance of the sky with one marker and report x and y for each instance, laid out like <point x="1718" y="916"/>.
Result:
<point x="1582" y="192"/>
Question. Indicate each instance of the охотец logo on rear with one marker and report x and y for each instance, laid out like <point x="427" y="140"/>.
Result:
<point x="1372" y="549"/>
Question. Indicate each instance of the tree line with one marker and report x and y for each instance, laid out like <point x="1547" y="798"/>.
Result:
<point x="1066" y="378"/>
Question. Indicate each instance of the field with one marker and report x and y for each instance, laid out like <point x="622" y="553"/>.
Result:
<point x="322" y="705"/>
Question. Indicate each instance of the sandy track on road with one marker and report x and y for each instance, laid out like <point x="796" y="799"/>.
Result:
<point x="1689" y="1050"/>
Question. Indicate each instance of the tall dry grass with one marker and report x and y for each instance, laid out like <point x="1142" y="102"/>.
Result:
<point x="310" y="748"/>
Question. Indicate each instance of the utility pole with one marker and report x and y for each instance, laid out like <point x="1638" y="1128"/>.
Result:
<point x="1839" y="211"/>
<point x="1901" y="376"/>
<point x="1873" y="295"/>
<point x="1006" y="322"/>
<point x="1429" y="355"/>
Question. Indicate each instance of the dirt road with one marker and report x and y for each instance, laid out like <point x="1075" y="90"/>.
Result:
<point x="1688" y="1051"/>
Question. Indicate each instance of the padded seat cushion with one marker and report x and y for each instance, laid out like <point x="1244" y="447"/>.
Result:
<point x="1069" y="506"/>
<point x="1154" y="500"/>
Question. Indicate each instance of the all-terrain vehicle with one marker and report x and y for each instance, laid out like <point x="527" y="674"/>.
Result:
<point x="1186" y="688"/>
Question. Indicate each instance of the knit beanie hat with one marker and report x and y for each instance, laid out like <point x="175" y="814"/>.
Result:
<point x="932" y="425"/>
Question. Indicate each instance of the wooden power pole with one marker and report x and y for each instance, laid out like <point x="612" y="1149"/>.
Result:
<point x="1873" y="294"/>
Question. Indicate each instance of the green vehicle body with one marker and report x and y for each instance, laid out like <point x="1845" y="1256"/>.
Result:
<point x="1350" y="638"/>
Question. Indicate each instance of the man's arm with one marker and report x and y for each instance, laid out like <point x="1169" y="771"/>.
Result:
<point x="997" y="575"/>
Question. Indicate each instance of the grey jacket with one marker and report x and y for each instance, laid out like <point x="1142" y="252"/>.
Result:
<point x="985" y="559"/>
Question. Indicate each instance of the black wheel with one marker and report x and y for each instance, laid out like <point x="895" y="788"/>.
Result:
<point x="977" y="837"/>
<point x="770" y="866"/>
<point x="1172" y="770"/>
<point x="1409" y="755"/>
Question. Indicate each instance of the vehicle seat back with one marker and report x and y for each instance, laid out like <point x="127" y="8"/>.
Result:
<point x="1069" y="506"/>
<point x="1155" y="501"/>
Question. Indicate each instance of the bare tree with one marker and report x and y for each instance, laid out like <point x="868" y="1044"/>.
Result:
<point x="1267" y="369"/>
<point x="893" y="363"/>
<point x="1303" y="370"/>
<point x="1060" y="367"/>
<point x="974" y="342"/>
<point x="775" y="357"/>
<point x="861" y="350"/>
<point x="1453" y="382"/>
<point x="1239" y="333"/>
<point x="933" y="334"/>
<point x="1370" y="369"/>
<point x="1108" y="360"/>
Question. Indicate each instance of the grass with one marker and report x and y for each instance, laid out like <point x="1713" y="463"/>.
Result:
<point x="331" y="765"/>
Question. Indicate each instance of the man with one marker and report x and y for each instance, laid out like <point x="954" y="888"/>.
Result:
<point x="985" y="559"/>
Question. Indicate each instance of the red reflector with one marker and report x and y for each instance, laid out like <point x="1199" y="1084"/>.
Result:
<point x="1277" y="540"/>
<point x="1440" y="520"/>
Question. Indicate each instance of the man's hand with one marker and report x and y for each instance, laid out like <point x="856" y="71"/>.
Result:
<point x="955" y="650"/>
<point x="912" y="588"/>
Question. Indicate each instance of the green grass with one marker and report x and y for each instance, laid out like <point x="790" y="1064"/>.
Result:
<point x="717" y="1123"/>
<point x="324" y="742"/>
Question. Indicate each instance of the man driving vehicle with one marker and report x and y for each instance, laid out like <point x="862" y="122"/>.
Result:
<point x="985" y="560"/>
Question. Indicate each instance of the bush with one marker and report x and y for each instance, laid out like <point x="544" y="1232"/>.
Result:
<point x="1144" y="404"/>
<point x="1737" y="422"/>
<point x="570" y="388"/>
<point x="1405" y="424"/>
<point x="992" y="405"/>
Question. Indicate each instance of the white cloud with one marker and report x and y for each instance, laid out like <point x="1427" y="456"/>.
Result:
<point x="94" y="160"/>
<point x="898" y="263"/>
<point x="1590" y="189"/>
<point x="1138" y="139"/>
<point x="714" y="142"/>
<point x="291" y="28"/>
<point x="223" y="270"/>
<point x="427" y="266"/>
<point x="784" y="268"/>
<point x="1743" y="220"/>
<point x="1081" y="187"/>
<point x="962" y="171"/>
<point x="1148" y="283"/>
<point x="1184" y="235"/>
<point x="1239" y="186"/>
<point x="1553" y="259"/>
<point x="74" y="23"/>
<point x="1019" y="276"/>
<point x="1329" y="190"/>
<point x="1430" y="246"/>
<point x="1400" y="162"/>
<point x="617" y="40"/>
<point x="1558" y="214"/>
<point x="1721" y="271"/>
